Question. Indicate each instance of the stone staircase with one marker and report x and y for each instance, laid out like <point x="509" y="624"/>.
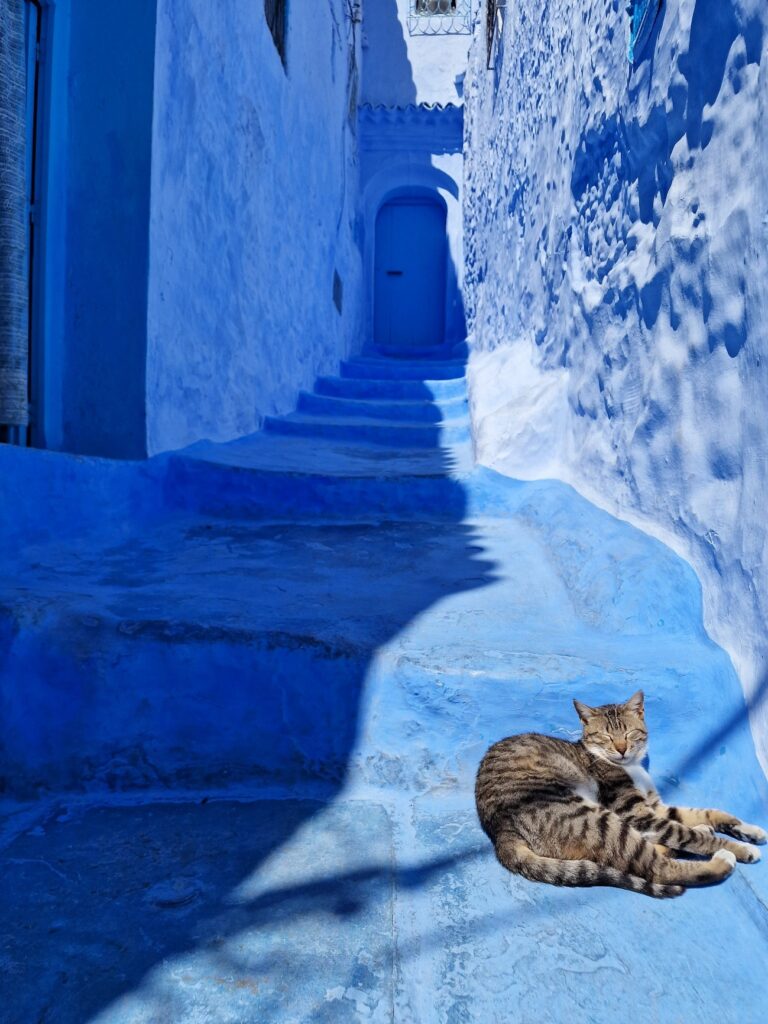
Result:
<point x="397" y="404"/>
<point x="388" y="436"/>
<point x="251" y="711"/>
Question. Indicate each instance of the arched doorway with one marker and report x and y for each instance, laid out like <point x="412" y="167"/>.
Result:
<point x="409" y="273"/>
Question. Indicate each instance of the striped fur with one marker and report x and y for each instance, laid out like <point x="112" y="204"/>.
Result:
<point x="584" y="813"/>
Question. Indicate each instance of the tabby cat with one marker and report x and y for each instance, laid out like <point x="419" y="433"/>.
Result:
<point x="587" y="813"/>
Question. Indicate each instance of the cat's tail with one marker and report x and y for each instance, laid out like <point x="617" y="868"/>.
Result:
<point x="520" y="859"/>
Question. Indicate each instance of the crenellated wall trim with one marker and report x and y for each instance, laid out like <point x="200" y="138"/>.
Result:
<point x="430" y="127"/>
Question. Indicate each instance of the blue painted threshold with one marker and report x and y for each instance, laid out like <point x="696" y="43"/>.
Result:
<point x="241" y="724"/>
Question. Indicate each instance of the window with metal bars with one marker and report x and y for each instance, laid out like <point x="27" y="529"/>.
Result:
<point x="275" y="13"/>
<point x="440" y="17"/>
<point x="436" y="6"/>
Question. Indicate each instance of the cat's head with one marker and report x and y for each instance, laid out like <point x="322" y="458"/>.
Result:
<point x="615" y="732"/>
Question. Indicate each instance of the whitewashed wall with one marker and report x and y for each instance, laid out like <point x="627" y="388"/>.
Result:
<point x="254" y="189"/>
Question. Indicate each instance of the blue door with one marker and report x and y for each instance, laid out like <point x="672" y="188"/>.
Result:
<point x="409" y="274"/>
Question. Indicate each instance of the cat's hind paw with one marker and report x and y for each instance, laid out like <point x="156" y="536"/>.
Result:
<point x="749" y="834"/>
<point x="727" y="856"/>
<point x="722" y="864"/>
<point x="744" y="854"/>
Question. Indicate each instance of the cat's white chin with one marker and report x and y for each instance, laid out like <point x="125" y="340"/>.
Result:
<point x="624" y="762"/>
<point x="634" y="759"/>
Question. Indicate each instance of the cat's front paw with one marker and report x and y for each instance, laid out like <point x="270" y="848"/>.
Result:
<point x="749" y="833"/>
<point x="744" y="854"/>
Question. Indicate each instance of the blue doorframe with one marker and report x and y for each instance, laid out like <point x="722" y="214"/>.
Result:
<point x="410" y="266"/>
<point x="34" y="18"/>
<point x="48" y="55"/>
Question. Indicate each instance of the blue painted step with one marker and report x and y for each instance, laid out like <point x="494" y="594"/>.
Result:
<point x="360" y="387"/>
<point x="382" y="432"/>
<point x="423" y="410"/>
<point x="390" y="369"/>
<point x="214" y="488"/>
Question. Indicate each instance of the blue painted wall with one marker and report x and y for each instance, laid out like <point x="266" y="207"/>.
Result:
<point x="202" y="196"/>
<point x="617" y="280"/>
<point x="108" y="160"/>
<point x="254" y="191"/>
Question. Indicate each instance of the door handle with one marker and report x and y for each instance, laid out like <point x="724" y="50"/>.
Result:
<point x="394" y="273"/>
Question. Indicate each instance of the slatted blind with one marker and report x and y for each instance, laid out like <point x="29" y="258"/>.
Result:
<point x="14" y="283"/>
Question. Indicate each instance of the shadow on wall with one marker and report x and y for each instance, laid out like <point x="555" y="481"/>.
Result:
<point x="640" y="152"/>
<point x="387" y="71"/>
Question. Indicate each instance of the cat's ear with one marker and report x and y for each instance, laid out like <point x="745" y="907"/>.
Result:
<point x="636" y="703"/>
<point x="584" y="711"/>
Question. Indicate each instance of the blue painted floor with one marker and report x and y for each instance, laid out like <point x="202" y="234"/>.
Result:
<point x="259" y="804"/>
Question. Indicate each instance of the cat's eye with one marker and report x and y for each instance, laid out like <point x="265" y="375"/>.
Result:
<point x="635" y="734"/>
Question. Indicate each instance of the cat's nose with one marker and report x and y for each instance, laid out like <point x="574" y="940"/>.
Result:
<point x="621" y="746"/>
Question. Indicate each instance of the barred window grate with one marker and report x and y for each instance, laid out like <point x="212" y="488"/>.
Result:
<point x="435" y="6"/>
<point x="274" y="12"/>
<point x="440" y="18"/>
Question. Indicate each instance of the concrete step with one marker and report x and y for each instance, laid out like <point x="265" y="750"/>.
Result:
<point x="413" y="390"/>
<point x="282" y="475"/>
<point x="398" y="410"/>
<point x="391" y="369"/>
<point x="382" y="432"/>
<point x="202" y="650"/>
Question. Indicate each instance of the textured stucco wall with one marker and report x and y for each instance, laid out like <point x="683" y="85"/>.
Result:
<point x="399" y="68"/>
<point x="617" y="269"/>
<point x="254" y="184"/>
